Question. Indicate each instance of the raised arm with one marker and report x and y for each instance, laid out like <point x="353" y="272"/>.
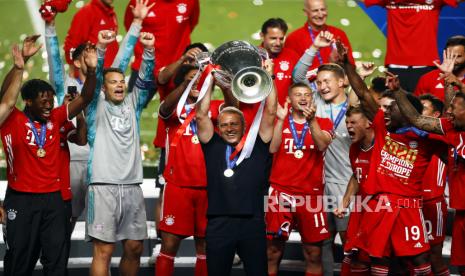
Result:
<point x="229" y="99"/>
<point x="56" y="70"/>
<point x="205" y="127"/>
<point x="281" y="114"/>
<point x="168" y="106"/>
<point x="299" y="74"/>
<point x="88" y="89"/>
<point x="169" y="71"/>
<point x="358" y="85"/>
<point x="139" y="11"/>
<point x="144" y="82"/>
<point x="321" y="138"/>
<point x="269" y="112"/>
<point x="430" y="124"/>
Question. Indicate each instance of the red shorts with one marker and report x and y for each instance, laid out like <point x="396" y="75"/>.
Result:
<point x="304" y="212"/>
<point x="435" y="213"/>
<point x="393" y="225"/>
<point x="184" y="211"/>
<point x="457" y="253"/>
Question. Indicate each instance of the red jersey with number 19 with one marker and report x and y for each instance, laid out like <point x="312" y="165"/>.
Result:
<point x="299" y="175"/>
<point x="399" y="161"/>
<point x="26" y="172"/>
<point x="185" y="165"/>
<point x="360" y="163"/>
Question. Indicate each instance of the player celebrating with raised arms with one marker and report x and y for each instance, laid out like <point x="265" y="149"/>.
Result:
<point x="31" y="139"/>
<point x="299" y="141"/>
<point x="393" y="225"/>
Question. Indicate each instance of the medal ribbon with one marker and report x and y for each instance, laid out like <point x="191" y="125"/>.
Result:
<point x="419" y="132"/>
<point x="340" y="115"/>
<point x="182" y="128"/>
<point x="299" y="143"/>
<point x="40" y="141"/>
<point x="230" y="162"/>
<point x="205" y="80"/>
<point x="238" y="148"/>
<point x="192" y="123"/>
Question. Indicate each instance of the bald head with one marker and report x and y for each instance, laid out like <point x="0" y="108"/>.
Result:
<point x="316" y="12"/>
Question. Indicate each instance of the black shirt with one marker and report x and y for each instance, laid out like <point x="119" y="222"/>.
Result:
<point x="243" y="193"/>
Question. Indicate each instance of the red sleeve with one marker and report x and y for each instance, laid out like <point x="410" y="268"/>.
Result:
<point x="128" y="16"/>
<point x="59" y="115"/>
<point x="194" y="18"/>
<point x="352" y="155"/>
<point x="370" y="3"/>
<point x="421" y="86"/>
<point x="325" y="124"/>
<point x="378" y="122"/>
<point x="452" y="3"/>
<point x="11" y="118"/>
<point x="446" y="125"/>
<point x="78" y="32"/>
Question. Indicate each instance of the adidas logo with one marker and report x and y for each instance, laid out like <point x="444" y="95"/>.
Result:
<point x="418" y="245"/>
<point x="324" y="231"/>
<point x="439" y="85"/>
<point x="151" y="14"/>
<point x="286" y="131"/>
<point x="102" y="22"/>
<point x="430" y="237"/>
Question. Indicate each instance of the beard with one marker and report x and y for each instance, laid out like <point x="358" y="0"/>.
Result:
<point x="458" y="68"/>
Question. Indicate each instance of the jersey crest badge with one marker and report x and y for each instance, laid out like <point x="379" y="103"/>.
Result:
<point x="182" y="8"/>
<point x="284" y="65"/>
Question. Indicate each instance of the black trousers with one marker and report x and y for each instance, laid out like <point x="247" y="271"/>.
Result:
<point x="226" y="235"/>
<point x="35" y="225"/>
<point x="409" y="77"/>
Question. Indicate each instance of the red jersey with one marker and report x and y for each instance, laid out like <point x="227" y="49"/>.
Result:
<point x="399" y="161"/>
<point x="26" y="172"/>
<point x="434" y="181"/>
<point x="304" y="175"/>
<point x="283" y="66"/>
<point x="430" y="83"/>
<point x="412" y="30"/>
<point x="86" y="24"/>
<point x="185" y="165"/>
<point x="171" y="22"/>
<point x="163" y="90"/>
<point x="360" y="163"/>
<point x="457" y="164"/>
<point x="65" y="131"/>
<point x="300" y="40"/>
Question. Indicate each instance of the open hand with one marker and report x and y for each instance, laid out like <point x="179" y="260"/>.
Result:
<point x="323" y="39"/>
<point x="365" y="69"/>
<point x="392" y="81"/>
<point x="140" y="10"/>
<point x="341" y="51"/>
<point x="30" y="47"/>
<point x="448" y="61"/>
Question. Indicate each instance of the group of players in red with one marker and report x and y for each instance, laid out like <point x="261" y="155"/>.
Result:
<point x="403" y="150"/>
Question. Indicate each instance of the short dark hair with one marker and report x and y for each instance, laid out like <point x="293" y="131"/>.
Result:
<point x="32" y="88"/>
<point x="182" y="72"/>
<point x="77" y="52"/>
<point x="460" y="95"/>
<point x="387" y="94"/>
<point x="274" y="23"/>
<point x="378" y="84"/>
<point x="357" y="109"/>
<point x="437" y="104"/>
<point x="199" y="45"/>
<point x="296" y="85"/>
<point x="414" y="101"/>
<point x="337" y="70"/>
<point x="456" y="40"/>
<point x="112" y="70"/>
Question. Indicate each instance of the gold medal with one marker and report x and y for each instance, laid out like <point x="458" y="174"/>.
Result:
<point x="228" y="173"/>
<point x="298" y="154"/>
<point x="195" y="139"/>
<point x="41" y="153"/>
